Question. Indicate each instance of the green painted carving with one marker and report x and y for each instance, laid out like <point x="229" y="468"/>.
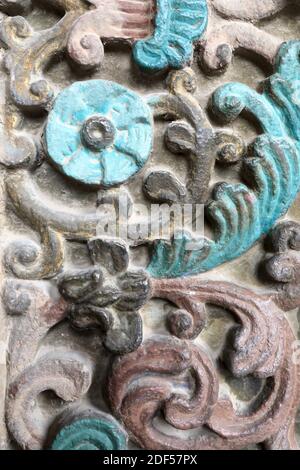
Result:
<point x="98" y="431"/>
<point x="177" y="24"/>
<point x="243" y="213"/>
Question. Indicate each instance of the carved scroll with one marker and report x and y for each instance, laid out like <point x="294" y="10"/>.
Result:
<point x="87" y="430"/>
<point x="251" y="350"/>
<point x="138" y="398"/>
<point x="122" y="19"/>
<point x="69" y="378"/>
<point x="35" y="308"/>
<point x="283" y="266"/>
<point x="29" y="54"/>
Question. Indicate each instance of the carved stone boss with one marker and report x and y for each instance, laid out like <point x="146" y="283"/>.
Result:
<point x="99" y="135"/>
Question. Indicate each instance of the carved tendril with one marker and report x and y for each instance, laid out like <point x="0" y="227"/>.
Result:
<point x="192" y="136"/>
<point x="250" y="350"/>
<point x="118" y="19"/>
<point x="87" y="430"/>
<point x="38" y="307"/>
<point x="238" y="37"/>
<point x="27" y="259"/>
<point x="283" y="266"/>
<point x="68" y="377"/>
<point x="29" y="54"/>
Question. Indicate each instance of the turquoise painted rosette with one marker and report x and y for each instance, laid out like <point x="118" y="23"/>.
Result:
<point x="99" y="133"/>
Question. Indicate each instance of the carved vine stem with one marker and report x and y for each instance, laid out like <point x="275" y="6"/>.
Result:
<point x="181" y="104"/>
<point x="240" y="37"/>
<point x="29" y="54"/>
<point x="27" y="259"/>
<point x="242" y="213"/>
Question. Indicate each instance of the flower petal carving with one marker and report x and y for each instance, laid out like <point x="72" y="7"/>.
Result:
<point x="111" y="254"/>
<point x="162" y="186"/>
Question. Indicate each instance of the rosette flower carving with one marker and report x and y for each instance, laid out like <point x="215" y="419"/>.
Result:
<point x="107" y="296"/>
<point x="99" y="133"/>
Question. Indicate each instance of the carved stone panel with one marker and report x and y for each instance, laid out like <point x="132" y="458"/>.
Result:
<point x="150" y="224"/>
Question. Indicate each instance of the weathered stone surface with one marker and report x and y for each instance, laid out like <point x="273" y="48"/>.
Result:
<point x="120" y="325"/>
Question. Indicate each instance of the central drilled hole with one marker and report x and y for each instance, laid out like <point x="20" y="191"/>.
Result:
<point x="97" y="132"/>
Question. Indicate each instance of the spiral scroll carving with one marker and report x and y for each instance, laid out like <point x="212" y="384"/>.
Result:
<point x="69" y="378"/>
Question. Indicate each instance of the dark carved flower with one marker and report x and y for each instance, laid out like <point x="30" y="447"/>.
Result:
<point x="108" y="296"/>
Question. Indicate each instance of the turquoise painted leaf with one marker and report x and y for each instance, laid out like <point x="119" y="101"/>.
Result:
<point x="177" y="24"/>
<point x="242" y="213"/>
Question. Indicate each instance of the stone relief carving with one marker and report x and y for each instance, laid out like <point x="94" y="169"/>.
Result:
<point x="118" y="328"/>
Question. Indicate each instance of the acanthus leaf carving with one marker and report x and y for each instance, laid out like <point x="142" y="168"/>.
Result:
<point x="241" y="213"/>
<point x="138" y="400"/>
